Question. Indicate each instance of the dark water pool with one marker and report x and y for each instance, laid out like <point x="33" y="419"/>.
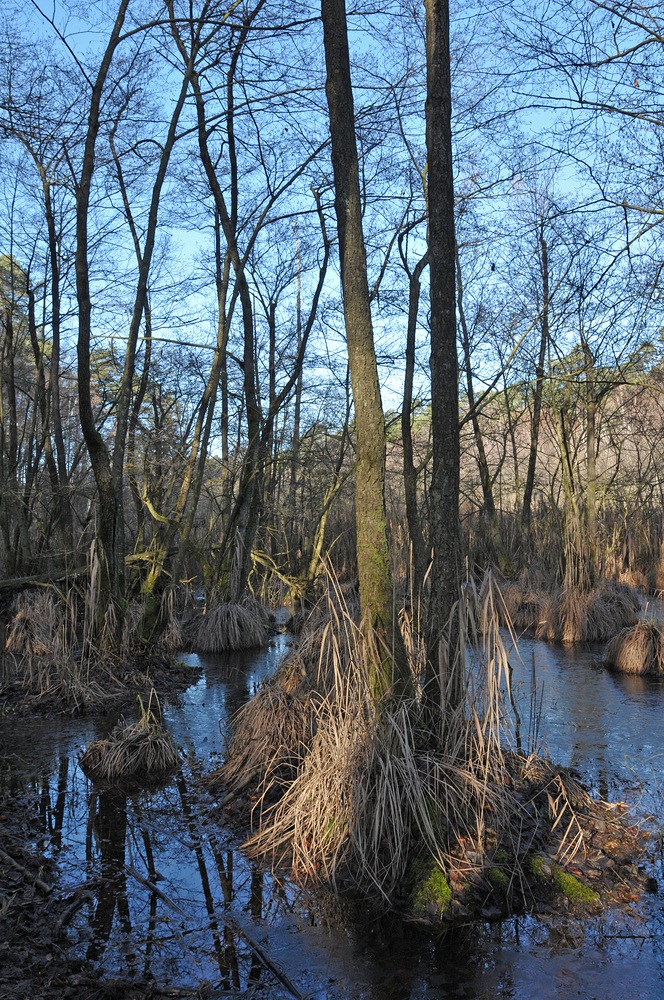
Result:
<point x="219" y="918"/>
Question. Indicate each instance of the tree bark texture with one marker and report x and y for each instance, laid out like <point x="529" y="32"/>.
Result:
<point x="374" y="570"/>
<point x="444" y="488"/>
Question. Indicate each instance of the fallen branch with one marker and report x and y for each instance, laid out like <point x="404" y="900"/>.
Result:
<point x="37" y="882"/>
<point x="154" y="889"/>
<point x="39" y="578"/>
<point x="263" y="957"/>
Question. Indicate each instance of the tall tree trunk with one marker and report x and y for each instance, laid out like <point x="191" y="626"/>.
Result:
<point x="591" y="466"/>
<point x="373" y="558"/>
<point x="526" y="512"/>
<point x="100" y="459"/>
<point x="417" y="541"/>
<point x="444" y="487"/>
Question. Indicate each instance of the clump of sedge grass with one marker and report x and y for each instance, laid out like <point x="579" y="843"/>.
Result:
<point x="35" y="624"/>
<point x="136" y="753"/>
<point x="370" y="785"/>
<point x="522" y="608"/>
<point x="638" y="650"/>
<point x="229" y="627"/>
<point x="593" y="616"/>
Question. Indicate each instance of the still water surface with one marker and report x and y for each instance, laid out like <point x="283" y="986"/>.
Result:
<point x="219" y="916"/>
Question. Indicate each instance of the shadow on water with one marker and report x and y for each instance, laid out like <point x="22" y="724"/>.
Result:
<point x="156" y="891"/>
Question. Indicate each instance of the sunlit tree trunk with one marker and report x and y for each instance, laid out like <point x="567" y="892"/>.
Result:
<point x="373" y="556"/>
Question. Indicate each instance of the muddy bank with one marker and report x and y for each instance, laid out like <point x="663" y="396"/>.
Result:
<point x="35" y="686"/>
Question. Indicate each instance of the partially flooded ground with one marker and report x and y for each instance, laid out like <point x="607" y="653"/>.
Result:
<point x="151" y="898"/>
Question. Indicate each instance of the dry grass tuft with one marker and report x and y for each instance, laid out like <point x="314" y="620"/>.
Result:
<point x="352" y="789"/>
<point x="272" y="733"/>
<point x="523" y="609"/>
<point x="170" y="636"/>
<point x="638" y="650"/>
<point x="613" y="606"/>
<point x="565" y="619"/>
<point x="229" y="627"/>
<point x="136" y="753"/>
<point x="595" y="616"/>
<point x="36" y="624"/>
<point x="368" y="781"/>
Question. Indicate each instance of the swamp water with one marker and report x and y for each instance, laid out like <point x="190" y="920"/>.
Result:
<point x="219" y="918"/>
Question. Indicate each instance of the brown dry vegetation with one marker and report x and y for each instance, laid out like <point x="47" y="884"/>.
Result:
<point x="350" y="792"/>
<point x="638" y="650"/>
<point x="49" y="664"/>
<point x="571" y="615"/>
<point x="229" y="627"/>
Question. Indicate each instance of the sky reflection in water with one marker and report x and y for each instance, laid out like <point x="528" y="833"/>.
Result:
<point x="214" y="902"/>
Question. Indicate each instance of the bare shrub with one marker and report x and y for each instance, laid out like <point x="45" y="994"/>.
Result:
<point x="637" y="650"/>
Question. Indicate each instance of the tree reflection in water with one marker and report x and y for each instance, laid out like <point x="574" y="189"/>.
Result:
<point x="107" y="827"/>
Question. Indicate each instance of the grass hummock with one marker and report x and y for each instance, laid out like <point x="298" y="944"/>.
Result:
<point x="638" y="650"/>
<point x="135" y="754"/>
<point x="346" y="791"/>
<point x="230" y="627"/>
<point x="570" y="615"/>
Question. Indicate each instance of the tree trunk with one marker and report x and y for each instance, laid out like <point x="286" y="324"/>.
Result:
<point x="526" y="512"/>
<point x="444" y="487"/>
<point x="417" y="541"/>
<point x="99" y="457"/>
<point x="373" y="558"/>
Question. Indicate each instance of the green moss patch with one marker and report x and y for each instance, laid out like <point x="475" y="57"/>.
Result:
<point x="576" y="891"/>
<point x="432" y="893"/>
<point x="500" y="882"/>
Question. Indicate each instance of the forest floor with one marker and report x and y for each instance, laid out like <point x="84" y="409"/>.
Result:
<point x="108" y="687"/>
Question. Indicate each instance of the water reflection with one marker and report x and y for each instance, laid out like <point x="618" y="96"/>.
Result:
<point x="107" y="835"/>
<point x="166" y="894"/>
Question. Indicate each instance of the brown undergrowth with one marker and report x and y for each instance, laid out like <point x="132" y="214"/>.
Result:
<point x="368" y="796"/>
<point x="638" y="650"/>
<point x="570" y="615"/>
<point x="53" y="660"/>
